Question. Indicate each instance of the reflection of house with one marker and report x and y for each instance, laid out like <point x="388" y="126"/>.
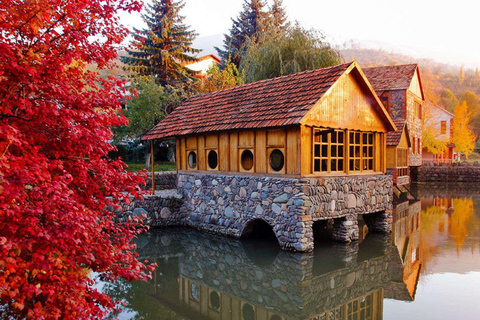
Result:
<point x="276" y="139"/>
<point x="218" y="278"/>
<point x="406" y="237"/>
<point x="400" y="89"/>
<point x="398" y="143"/>
<point x="202" y="65"/>
<point x="440" y="121"/>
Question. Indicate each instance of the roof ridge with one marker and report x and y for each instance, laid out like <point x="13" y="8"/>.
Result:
<point x="246" y="85"/>
<point x="392" y="66"/>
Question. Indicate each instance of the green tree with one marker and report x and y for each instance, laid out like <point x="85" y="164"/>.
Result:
<point x="219" y="79"/>
<point x="463" y="136"/>
<point x="161" y="49"/>
<point x="294" y="50"/>
<point x="247" y="26"/>
<point x="150" y="104"/>
<point x="448" y="99"/>
<point x="472" y="102"/>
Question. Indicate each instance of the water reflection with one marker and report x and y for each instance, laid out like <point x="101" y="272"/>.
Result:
<point x="202" y="276"/>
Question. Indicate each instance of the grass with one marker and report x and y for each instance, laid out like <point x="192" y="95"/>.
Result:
<point x="159" y="166"/>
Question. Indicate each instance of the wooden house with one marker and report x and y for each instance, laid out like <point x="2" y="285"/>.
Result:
<point x="269" y="142"/>
<point x="202" y="64"/>
<point x="400" y="90"/>
<point x="398" y="144"/>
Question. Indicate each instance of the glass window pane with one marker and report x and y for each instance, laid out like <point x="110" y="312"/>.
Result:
<point x="357" y="137"/>
<point x="340" y="165"/>
<point x="352" y="167"/>
<point x="340" y="151"/>
<point x="316" y="165"/>
<point x="357" y="164"/>
<point x="340" y="137"/>
<point x="333" y="163"/>
<point x="333" y="151"/>
<point x="357" y="151"/>
<point x="324" y="150"/>
<point x="324" y="165"/>
<point x="365" y="138"/>
<point x="370" y="151"/>
<point x="370" y="164"/>
<point x="334" y="137"/>
<point x="370" y="138"/>
<point x="325" y="137"/>
<point x="317" y="150"/>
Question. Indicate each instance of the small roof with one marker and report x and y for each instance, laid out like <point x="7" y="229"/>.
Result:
<point x="429" y="104"/>
<point x="394" y="137"/>
<point x="269" y="103"/>
<point x="390" y="77"/>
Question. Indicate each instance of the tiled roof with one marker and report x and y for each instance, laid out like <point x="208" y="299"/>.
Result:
<point x="390" y="77"/>
<point x="394" y="137"/>
<point x="267" y="103"/>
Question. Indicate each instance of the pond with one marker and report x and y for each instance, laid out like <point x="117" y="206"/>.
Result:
<point x="428" y="268"/>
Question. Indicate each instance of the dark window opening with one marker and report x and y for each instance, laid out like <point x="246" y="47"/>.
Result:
<point x="247" y="160"/>
<point x="192" y="159"/>
<point x="277" y="160"/>
<point x="212" y="159"/>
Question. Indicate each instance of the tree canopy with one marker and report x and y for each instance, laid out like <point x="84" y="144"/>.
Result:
<point x="162" y="48"/>
<point x="463" y="136"/>
<point x="293" y="50"/>
<point x="56" y="181"/>
<point x="219" y="79"/>
<point x="250" y="25"/>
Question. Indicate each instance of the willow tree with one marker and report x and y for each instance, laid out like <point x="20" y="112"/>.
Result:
<point x="293" y="50"/>
<point x="164" y="46"/>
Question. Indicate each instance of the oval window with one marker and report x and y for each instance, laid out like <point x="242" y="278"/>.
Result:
<point x="212" y="159"/>
<point x="277" y="160"/>
<point x="192" y="159"/>
<point x="248" y="312"/>
<point x="214" y="300"/>
<point x="247" y="160"/>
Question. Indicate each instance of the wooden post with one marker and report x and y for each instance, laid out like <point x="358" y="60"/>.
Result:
<point x="153" y="167"/>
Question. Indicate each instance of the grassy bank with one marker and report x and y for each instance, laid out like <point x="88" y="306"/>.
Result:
<point x="159" y="166"/>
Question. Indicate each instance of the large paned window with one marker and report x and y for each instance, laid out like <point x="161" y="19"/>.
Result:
<point x="330" y="153"/>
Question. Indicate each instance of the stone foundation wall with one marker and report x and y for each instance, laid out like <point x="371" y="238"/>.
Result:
<point x="164" y="180"/>
<point x="448" y="174"/>
<point x="226" y="204"/>
<point x="161" y="209"/>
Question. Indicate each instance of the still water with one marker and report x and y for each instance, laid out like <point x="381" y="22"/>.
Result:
<point x="428" y="268"/>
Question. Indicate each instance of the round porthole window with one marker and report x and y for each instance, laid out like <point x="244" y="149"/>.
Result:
<point x="192" y="160"/>
<point x="212" y="159"/>
<point x="248" y="312"/>
<point x="247" y="160"/>
<point x="277" y="160"/>
<point x="214" y="300"/>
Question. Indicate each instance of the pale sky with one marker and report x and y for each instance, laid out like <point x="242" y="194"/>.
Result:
<point x="446" y="31"/>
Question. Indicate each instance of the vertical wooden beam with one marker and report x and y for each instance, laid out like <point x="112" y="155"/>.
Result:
<point x="153" y="166"/>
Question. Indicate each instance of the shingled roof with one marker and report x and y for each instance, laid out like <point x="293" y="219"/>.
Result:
<point x="394" y="137"/>
<point x="390" y="77"/>
<point x="267" y="103"/>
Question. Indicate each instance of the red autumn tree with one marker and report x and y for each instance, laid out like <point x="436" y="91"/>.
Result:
<point x="56" y="181"/>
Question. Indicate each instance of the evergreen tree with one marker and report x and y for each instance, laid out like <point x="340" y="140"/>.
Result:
<point x="249" y="25"/>
<point x="277" y="16"/>
<point x="161" y="49"/>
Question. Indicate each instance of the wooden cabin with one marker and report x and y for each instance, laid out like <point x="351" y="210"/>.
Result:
<point x="400" y="90"/>
<point x="255" y="153"/>
<point x="398" y="144"/>
<point x="322" y="122"/>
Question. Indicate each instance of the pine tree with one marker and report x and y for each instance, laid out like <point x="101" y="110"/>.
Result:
<point x="161" y="49"/>
<point x="247" y="27"/>
<point x="277" y="16"/>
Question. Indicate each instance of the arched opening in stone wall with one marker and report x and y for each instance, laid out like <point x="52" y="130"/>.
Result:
<point x="260" y="242"/>
<point x="322" y="231"/>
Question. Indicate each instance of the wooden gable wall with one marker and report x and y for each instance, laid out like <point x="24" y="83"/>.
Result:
<point x="415" y="86"/>
<point x="347" y="105"/>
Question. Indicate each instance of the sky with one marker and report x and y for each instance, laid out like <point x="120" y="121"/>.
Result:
<point x="442" y="30"/>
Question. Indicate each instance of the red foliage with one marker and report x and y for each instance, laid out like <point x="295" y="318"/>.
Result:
<point x="56" y="180"/>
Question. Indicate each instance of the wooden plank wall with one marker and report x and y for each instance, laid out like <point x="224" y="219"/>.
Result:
<point x="230" y="145"/>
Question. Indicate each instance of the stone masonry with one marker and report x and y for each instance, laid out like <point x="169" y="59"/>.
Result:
<point x="226" y="204"/>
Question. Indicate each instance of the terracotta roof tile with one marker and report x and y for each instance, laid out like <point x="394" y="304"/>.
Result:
<point x="267" y="103"/>
<point x="394" y="137"/>
<point x="390" y="77"/>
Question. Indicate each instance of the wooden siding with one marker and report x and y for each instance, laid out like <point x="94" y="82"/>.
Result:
<point x="392" y="151"/>
<point x="347" y="105"/>
<point x="415" y="86"/>
<point x="230" y="145"/>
